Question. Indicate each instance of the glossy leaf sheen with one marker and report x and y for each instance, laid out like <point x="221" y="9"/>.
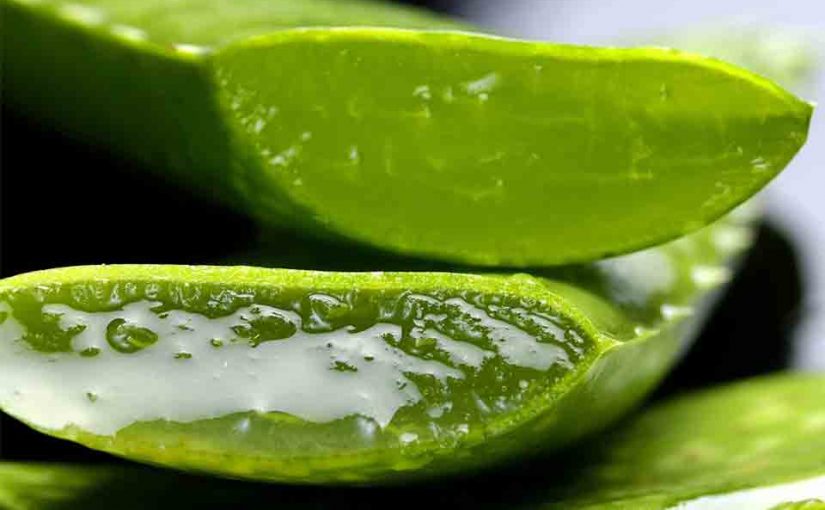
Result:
<point x="453" y="145"/>
<point x="310" y="376"/>
<point x="760" y="433"/>
<point x="771" y="437"/>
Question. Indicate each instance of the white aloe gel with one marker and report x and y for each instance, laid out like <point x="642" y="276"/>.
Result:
<point x="197" y="369"/>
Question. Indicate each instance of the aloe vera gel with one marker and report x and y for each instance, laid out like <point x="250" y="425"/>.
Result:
<point x="614" y="178"/>
<point x="318" y="356"/>
<point x="305" y="377"/>
<point x="349" y="377"/>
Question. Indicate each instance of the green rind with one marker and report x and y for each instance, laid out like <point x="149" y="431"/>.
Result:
<point x="495" y="185"/>
<point x="808" y="504"/>
<point x="456" y="167"/>
<point x="756" y="433"/>
<point x="619" y="306"/>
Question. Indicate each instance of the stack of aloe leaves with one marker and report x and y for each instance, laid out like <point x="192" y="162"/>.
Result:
<point x="507" y="246"/>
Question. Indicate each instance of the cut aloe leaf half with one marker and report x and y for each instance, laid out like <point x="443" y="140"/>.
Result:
<point x="766" y="453"/>
<point x="446" y="144"/>
<point x="314" y="377"/>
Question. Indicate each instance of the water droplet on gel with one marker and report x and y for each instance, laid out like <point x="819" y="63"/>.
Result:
<point x="216" y="342"/>
<point x="322" y="312"/>
<point x="127" y="338"/>
<point x="242" y="426"/>
<point x="91" y="397"/>
<point x="407" y="437"/>
<point x="343" y="366"/>
<point x="664" y="92"/>
<point x="367" y="428"/>
<point x="90" y="352"/>
<point x="264" y="324"/>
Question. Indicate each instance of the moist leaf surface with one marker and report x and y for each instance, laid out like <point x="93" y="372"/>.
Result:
<point x="314" y="376"/>
<point x="451" y="145"/>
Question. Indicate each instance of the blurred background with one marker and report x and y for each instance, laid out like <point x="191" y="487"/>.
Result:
<point x="772" y="318"/>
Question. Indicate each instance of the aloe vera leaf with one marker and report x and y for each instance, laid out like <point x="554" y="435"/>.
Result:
<point x="756" y="441"/>
<point x="457" y="146"/>
<point x="311" y="376"/>
<point x="808" y="504"/>
<point x="761" y="437"/>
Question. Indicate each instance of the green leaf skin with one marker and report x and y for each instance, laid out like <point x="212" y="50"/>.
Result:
<point x="763" y="434"/>
<point x="316" y="377"/>
<point x="808" y="504"/>
<point x="753" y="434"/>
<point x="451" y="145"/>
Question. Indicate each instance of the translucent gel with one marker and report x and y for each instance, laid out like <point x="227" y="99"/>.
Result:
<point x="145" y="360"/>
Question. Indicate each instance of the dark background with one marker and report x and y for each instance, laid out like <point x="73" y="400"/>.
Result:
<point x="64" y="204"/>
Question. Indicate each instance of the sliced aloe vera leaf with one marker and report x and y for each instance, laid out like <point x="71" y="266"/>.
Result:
<point x="456" y="146"/>
<point x="758" y="444"/>
<point x="753" y="444"/>
<point x="309" y="376"/>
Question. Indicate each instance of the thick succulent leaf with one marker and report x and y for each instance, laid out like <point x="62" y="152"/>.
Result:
<point x="314" y="376"/>
<point x="453" y="145"/>
<point x="759" y="444"/>
<point x="753" y="444"/>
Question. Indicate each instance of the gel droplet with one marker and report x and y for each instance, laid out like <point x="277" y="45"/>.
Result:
<point x="90" y="352"/>
<point x="127" y="338"/>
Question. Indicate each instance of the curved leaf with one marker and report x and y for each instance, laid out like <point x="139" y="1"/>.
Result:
<point x="313" y="376"/>
<point x="452" y="145"/>
<point x="752" y="444"/>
